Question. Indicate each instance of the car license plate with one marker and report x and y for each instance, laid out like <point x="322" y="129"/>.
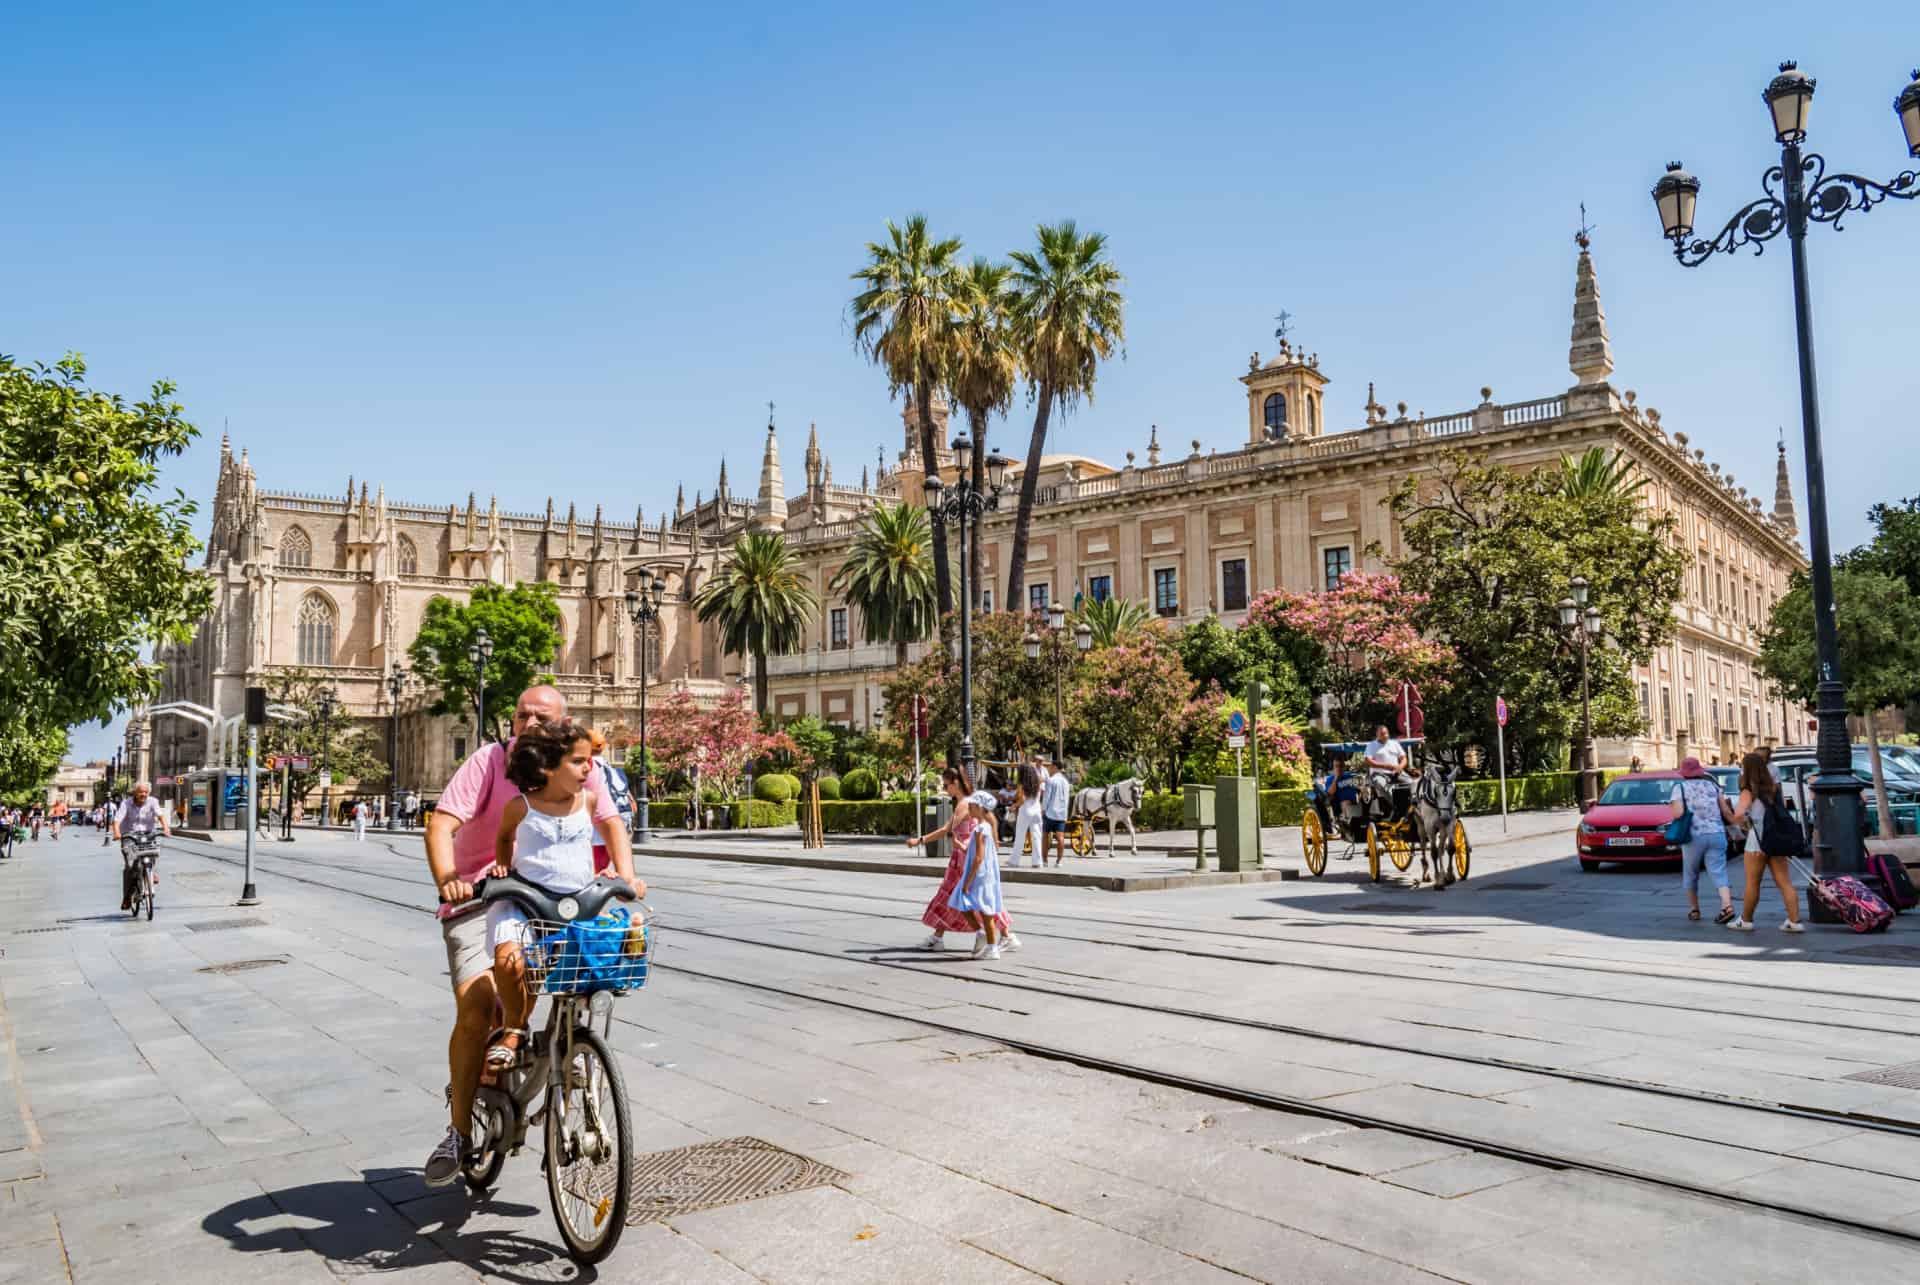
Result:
<point x="1631" y="841"/>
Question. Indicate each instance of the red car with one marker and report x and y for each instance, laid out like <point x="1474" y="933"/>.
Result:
<point x="1629" y="821"/>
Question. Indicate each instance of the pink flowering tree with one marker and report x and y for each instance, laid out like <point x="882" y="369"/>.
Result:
<point x="1131" y="703"/>
<point x="1365" y="626"/>
<point x="719" y="741"/>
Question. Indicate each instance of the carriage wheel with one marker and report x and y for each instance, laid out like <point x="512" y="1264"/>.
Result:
<point x="1313" y="843"/>
<point x="1080" y="839"/>
<point x="1373" y="851"/>
<point x="1399" y="848"/>
<point x="1462" y="850"/>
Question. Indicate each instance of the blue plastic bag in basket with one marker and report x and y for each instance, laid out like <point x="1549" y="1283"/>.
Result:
<point x="592" y="956"/>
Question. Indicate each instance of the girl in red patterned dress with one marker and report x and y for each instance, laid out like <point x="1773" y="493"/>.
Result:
<point x="938" y="915"/>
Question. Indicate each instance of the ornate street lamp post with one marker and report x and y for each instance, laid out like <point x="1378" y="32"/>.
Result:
<point x="1059" y="662"/>
<point x="326" y="774"/>
<point x="480" y="651"/>
<point x="396" y="683"/>
<point x="961" y="504"/>
<point x="1798" y="191"/>
<point x="1583" y="620"/>
<point x="643" y="608"/>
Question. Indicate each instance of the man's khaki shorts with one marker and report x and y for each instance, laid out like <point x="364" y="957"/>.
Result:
<point x="466" y="938"/>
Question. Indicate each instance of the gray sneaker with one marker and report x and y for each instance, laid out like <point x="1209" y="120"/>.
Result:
<point x="443" y="1166"/>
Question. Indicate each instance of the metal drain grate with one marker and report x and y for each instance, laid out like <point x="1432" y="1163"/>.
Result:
<point x="1887" y="952"/>
<point x="1514" y="887"/>
<point x="28" y="932"/>
<point x="239" y="966"/>
<point x="728" y="1171"/>
<point x="1905" y="1076"/>
<point x="221" y="925"/>
<point x="1381" y="908"/>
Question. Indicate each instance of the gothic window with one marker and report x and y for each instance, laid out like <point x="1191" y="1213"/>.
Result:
<point x="296" y="548"/>
<point x="407" y="555"/>
<point x="647" y="661"/>
<point x="316" y="626"/>
<point x="1276" y="412"/>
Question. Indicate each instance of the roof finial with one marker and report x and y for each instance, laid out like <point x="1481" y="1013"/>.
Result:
<point x="1783" y="491"/>
<point x="1590" y="356"/>
<point x="1583" y="236"/>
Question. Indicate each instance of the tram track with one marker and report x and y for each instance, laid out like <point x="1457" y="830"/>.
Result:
<point x="1854" y="1120"/>
<point x="1248" y="1095"/>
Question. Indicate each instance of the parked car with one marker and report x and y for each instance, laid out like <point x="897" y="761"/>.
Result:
<point x="1628" y="821"/>
<point x="1902" y="778"/>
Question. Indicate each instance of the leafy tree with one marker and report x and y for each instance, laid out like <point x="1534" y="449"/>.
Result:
<point x="93" y="569"/>
<point x="813" y="744"/>
<point x="28" y="760"/>
<point x="345" y="745"/>
<point x="521" y="622"/>
<point x="1112" y="619"/>
<point x="1491" y="552"/>
<point x="1132" y="703"/>
<point x="981" y="375"/>
<point x="720" y="741"/>
<point x="889" y="577"/>
<point x="1895" y="548"/>
<point x="1366" y="628"/>
<point x="1067" y="315"/>
<point x="761" y="603"/>
<point x="1877" y="620"/>
<point x="902" y="321"/>
<point x="1283" y="748"/>
<point x="1012" y="696"/>
<point x="1594" y="472"/>
<point x="1216" y="656"/>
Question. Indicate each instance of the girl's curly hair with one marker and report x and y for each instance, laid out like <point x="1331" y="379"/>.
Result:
<point x="539" y="750"/>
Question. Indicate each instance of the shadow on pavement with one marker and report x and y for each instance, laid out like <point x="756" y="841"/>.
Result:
<point x="354" y="1230"/>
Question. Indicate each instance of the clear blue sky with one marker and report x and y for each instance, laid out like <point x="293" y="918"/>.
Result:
<point x="575" y="250"/>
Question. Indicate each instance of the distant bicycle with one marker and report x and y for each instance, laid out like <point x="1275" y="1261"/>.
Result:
<point x="582" y="957"/>
<point x="140" y="850"/>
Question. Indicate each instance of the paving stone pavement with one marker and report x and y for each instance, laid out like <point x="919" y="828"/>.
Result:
<point x="166" y="1123"/>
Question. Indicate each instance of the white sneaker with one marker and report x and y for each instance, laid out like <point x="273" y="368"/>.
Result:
<point x="980" y="948"/>
<point x="1739" y="925"/>
<point x="937" y="941"/>
<point x="993" y="952"/>
<point x="1793" y="926"/>
<point x="1009" y="941"/>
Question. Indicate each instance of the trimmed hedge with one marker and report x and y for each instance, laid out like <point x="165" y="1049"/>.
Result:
<point x="891" y="817"/>
<point x="776" y="787"/>
<point x="859" y="786"/>
<point x="671" y="814"/>
<point x="829" y="788"/>
<point x="1164" y="811"/>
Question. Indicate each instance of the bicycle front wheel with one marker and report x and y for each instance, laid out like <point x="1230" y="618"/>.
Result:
<point x="146" y="885"/>
<point x="589" y="1150"/>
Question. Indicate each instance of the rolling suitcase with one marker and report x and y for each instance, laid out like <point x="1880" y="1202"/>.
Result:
<point x="1893" y="879"/>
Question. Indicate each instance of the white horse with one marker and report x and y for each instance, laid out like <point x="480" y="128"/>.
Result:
<point x="1118" y="802"/>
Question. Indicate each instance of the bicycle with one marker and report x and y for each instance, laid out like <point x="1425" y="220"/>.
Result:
<point x="139" y="851"/>
<point x="581" y="959"/>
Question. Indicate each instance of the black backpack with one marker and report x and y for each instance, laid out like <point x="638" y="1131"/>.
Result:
<point x="1780" y="834"/>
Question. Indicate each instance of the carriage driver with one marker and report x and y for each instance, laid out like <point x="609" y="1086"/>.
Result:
<point x="1387" y="759"/>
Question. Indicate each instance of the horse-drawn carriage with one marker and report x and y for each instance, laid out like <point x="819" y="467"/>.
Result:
<point x="1395" y="814"/>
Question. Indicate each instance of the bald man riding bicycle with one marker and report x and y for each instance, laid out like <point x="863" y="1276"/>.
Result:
<point x="460" y="851"/>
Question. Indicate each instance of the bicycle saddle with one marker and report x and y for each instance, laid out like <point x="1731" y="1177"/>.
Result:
<point x="544" y="903"/>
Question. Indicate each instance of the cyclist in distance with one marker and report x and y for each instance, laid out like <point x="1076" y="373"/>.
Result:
<point x="140" y="813"/>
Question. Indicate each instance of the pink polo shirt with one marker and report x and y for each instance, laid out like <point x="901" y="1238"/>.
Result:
<point x="477" y="796"/>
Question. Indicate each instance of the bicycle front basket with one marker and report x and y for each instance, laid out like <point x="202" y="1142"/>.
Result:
<point x="609" y="953"/>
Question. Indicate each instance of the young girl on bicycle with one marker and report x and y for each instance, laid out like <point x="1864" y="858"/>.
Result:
<point x="545" y="837"/>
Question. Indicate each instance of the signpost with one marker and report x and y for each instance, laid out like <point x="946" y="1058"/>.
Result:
<point x="919" y="734"/>
<point x="1500" y="733"/>
<point x="1237" y="738"/>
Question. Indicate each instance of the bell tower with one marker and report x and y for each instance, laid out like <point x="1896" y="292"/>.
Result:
<point x="1283" y="396"/>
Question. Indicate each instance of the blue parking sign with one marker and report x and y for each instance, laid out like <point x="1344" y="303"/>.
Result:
<point x="1236" y="724"/>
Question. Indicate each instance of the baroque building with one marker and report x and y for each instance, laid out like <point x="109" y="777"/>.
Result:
<point x="338" y="584"/>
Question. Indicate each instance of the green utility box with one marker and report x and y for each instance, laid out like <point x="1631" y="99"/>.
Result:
<point x="1237" y="809"/>
<point x="1196" y="803"/>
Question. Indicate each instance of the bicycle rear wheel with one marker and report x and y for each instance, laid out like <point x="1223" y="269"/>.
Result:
<point x="491" y="1111"/>
<point x="589" y="1150"/>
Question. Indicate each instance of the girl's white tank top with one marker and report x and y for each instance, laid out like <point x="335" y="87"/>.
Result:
<point x="555" y="852"/>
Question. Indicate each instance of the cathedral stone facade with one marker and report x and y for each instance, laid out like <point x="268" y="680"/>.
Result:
<point x="338" y="584"/>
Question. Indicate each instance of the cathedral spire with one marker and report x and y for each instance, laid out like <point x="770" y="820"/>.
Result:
<point x="1783" y="492"/>
<point x="721" y="492"/>
<point x="770" y="507"/>
<point x="813" y="454"/>
<point x="679" y="501"/>
<point x="1591" y="355"/>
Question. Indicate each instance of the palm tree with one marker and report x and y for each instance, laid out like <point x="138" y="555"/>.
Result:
<point x="1112" y="619"/>
<point x="1066" y="315"/>
<point x="983" y="370"/>
<point x="1592" y="473"/>
<point x="902" y="321"/>
<point x="889" y="577"/>
<point x="760" y="602"/>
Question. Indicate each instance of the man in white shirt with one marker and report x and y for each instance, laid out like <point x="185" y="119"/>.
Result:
<point x="1054" y="791"/>
<point x="1386" y="757"/>
<point x="139" y="813"/>
<point x="360" y="821"/>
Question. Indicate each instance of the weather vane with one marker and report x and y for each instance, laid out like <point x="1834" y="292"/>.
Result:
<point x="1584" y="237"/>
<point x="1286" y="323"/>
<point x="769" y="413"/>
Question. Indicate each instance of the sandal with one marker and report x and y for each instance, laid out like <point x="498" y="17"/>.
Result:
<point x="503" y="1050"/>
<point x="1725" y="916"/>
<point x="1693" y="916"/>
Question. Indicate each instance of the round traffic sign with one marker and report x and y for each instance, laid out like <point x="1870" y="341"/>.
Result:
<point x="1500" y="709"/>
<point x="1236" y="723"/>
